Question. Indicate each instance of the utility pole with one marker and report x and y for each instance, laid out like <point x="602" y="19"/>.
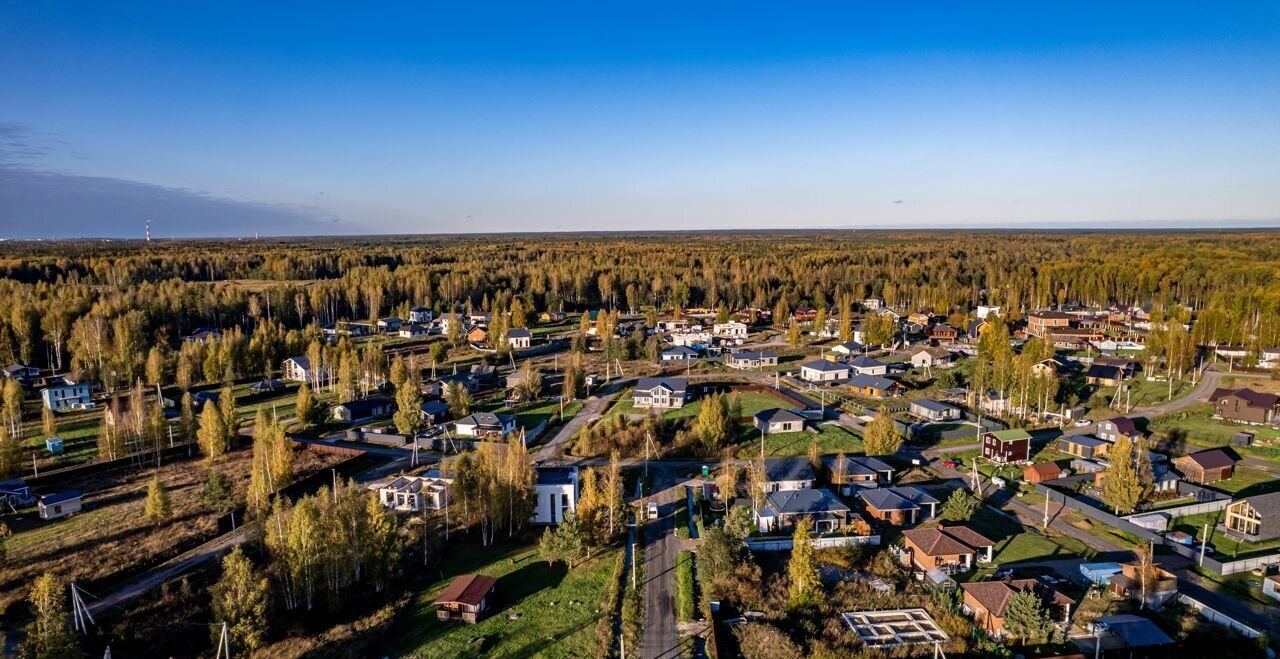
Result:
<point x="1046" y="512"/>
<point x="1204" y="539"/>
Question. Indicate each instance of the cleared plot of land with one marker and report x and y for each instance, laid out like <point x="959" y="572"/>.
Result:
<point x="1016" y="543"/>
<point x="1248" y="481"/>
<point x="111" y="535"/>
<point x="1194" y="525"/>
<point x="555" y="610"/>
<point x="831" y="438"/>
<point x="1201" y="430"/>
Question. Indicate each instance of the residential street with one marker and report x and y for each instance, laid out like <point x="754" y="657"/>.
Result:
<point x="661" y="638"/>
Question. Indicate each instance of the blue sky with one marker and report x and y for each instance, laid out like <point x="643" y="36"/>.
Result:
<point x="229" y="118"/>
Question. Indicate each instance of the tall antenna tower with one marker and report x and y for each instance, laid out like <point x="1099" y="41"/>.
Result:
<point x="148" y="230"/>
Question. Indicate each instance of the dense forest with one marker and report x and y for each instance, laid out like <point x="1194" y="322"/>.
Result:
<point x="101" y="306"/>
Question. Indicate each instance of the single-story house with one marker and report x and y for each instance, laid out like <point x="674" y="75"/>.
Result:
<point x="1208" y="466"/>
<point x="485" y="424"/>
<point x="1006" y="446"/>
<point x="932" y="410"/>
<point x="783" y="474"/>
<point x="864" y="365"/>
<point x="1084" y="446"/>
<point x="434" y="410"/>
<point x="925" y="357"/>
<point x="413" y="331"/>
<point x="823" y="370"/>
<point x="860" y="471"/>
<point x="413" y="493"/>
<point x="519" y="338"/>
<point x="849" y="348"/>
<point x="898" y="505"/>
<point x="477" y="334"/>
<point x="988" y="601"/>
<point x="466" y="598"/>
<point x="778" y="420"/>
<point x="679" y="354"/>
<point x="874" y="386"/>
<point x="1041" y="472"/>
<point x="782" y="509"/>
<point x="950" y="549"/>
<point x="730" y="330"/>
<point x="365" y="408"/>
<point x="59" y="505"/>
<point x="661" y="393"/>
<point x="20" y="372"/>
<point x="748" y="359"/>
<point x="1255" y="518"/>
<point x="555" y="492"/>
<point x="552" y="316"/>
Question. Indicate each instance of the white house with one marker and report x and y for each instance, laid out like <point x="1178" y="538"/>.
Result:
<point x="413" y="331"/>
<point x="873" y="303"/>
<point x="61" y="504"/>
<point x="730" y="330"/>
<point x="519" y="338"/>
<point x="925" y="357"/>
<point x="1269" y="358"/>
<point x="389" y="324"/>
<point x="555" y="492"/>
<point x="864" y="365"/>
<point x="823" y="370"/>
<point x="485" y="424"/>
<point x="661" y="393"/>
<point x="691" y="338"/>
<point x="849" y="348"/>
<point x="298" y="369"/>
<point x="420" y="315"/>
<point x="66" y="397"/>
<point x="679" y="354"/>
<point x="414" y="493"/>
<point x="749" y="359"/>
<point x="783" y="474"/>
<point x="778" y="420"/>
<point x="985" y="310"/>
<point x="932" y="410"/>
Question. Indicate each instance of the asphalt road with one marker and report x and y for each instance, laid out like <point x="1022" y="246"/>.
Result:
<point x="661" y="639"/>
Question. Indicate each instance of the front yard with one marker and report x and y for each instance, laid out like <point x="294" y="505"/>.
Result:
<point x="541" y="610"/>
<point x="832" y="438"/>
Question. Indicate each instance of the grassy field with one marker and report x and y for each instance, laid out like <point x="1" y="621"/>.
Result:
<point x="832" y="439"/>
<point x="1201" y="430"/>
<point x="557" y="609"/>
<point x="1016" y="543"/>
<point x="79" y="433"/>
<point x="1248" y="481"/>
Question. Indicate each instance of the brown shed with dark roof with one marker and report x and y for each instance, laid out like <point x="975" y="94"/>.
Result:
<point x="466" y="598"/>
<point x="1208" y="466"/>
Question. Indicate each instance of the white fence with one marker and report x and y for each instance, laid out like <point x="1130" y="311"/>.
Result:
<point x="1220" y="618"/>
<point x="784" y="543"/>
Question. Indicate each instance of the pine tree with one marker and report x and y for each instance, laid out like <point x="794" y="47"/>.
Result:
<point x="240" y="600"/>
<point x="187" y="424"/>
<point x="882" y="436"/>
<point x="48" y="636"/>
<point x="793" y="333"/>
<point x="459" y="399"/>
<point x="218" y="492"/>
<point x="958" y="507"/>
<point x="1025" y="616"/>
<point x="212" y="434"/>
<point x="157" y="507"/>
<point x="1120" y="487"/>
<point x="803" y="566"/>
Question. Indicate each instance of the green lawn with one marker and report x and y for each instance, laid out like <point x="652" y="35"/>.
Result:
<point x="1015" y="542"/>
<point x="1201" y="430"/>
<point x="1248" y="478"/>
<point x="832" y="439"/>
<point x="557" y="609"/>
<point x="1223" y="543"/>
<point x="79" y="433"/>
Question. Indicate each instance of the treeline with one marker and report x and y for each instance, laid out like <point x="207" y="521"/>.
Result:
<point x="137" y="295"/>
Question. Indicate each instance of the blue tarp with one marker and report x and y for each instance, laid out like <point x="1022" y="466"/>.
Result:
<point x="1099" y="573"/>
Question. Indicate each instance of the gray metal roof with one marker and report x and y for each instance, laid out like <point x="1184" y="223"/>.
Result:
<point x="872" y="381"/>
<point x="1135" y="631"/>
<point x="933" y="405"/>
<point x="777" y="415"/>
<point x="789" y="469"/>
<point x="675" y="385"/>
<point x="805" y="501"/>
<point x="824" y="365"/>
<point x="896" y="498"/>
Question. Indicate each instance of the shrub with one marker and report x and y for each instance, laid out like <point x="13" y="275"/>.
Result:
<point x="684" y="586"/>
